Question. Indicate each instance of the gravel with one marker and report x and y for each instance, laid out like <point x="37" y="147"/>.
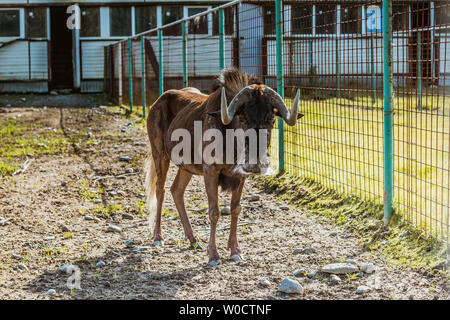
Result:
<point x="124" y="158"/>
<point x="334" y="278"/>
<point x="368" y="268"/>
<point x="299" y="273"/>
<point x="51" y="292"/>
<point x="166" y="272"/>
<point x="340" y="268"/>
<point x="114" y="228"/>
<point x="264" y="282"/>
<point x="22" y="266"/>
<point x="362" y="289"/>
<point x="225" y="211"/>
<point x="290" y="286"/>
<point x="100" y="264"/>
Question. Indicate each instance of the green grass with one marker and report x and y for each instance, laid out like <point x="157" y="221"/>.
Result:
<point x="6" y="169"/>
<point x="400" y="243"/>
<point x="339" y="143"/>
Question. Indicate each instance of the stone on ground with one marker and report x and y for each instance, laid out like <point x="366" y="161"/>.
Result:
<point x="290" y="286"/>
<point x="340" y="268"/>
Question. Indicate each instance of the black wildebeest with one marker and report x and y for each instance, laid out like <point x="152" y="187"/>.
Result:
<point x="238" y="100"/>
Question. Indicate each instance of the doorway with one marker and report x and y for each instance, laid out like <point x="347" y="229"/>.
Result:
<point x="60" y="50"/>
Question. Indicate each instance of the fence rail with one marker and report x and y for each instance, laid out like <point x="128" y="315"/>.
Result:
<point x="356" y="137"/>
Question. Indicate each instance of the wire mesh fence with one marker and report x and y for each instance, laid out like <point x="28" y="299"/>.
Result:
<point x="333" y="52"/>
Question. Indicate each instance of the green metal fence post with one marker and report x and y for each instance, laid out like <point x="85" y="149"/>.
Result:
<point x="161" y="75"/>
<point x="419" y="71"/>
<point x="338" y="70"/>
<point x="311" y="65"/>
<point x="387" y="107"/>
<point x="144" y="104"/>
<point x="184" y="54"/>
<point x="221" y="40"/>
<point x="372" y="64"/>
<point x="280" y="84"/>
<point x="130" y="76"/>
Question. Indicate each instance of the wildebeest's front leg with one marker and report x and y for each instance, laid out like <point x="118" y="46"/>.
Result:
<point x="235" y="211"/>
<point x="211" y="177"/>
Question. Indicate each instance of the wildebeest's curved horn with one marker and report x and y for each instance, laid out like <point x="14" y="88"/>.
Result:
<point x="290" y="117"/>
<point x="227" y="112"/>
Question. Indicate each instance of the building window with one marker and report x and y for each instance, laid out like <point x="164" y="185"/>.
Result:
<point x="351" y="19"/>
<point x="325" y="19"/>
<point x="36" y="26"/>
<point x="442" y="14"/>
<point x="120" y="21"/>
<point x="171" y="14"/>
<point x="301" y="19"/>
<point x="145" y="18"/>
<point x="90" y="22"/>
<point x="198" y="25"/>
<point x="400" y="18"/>
<point x="10" y="23"/>
<point x="229" y="21"/>
<point x="269" y="19"/>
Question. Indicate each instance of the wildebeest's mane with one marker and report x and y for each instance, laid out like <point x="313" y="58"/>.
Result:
<point x="234" y="80"/>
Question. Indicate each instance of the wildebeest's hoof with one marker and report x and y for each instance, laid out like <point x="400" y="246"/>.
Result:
<point x="197" y="246"/>
<point x="236" y="258"/>
<point x="214" y="263"/>
<point x="158" y="243"/>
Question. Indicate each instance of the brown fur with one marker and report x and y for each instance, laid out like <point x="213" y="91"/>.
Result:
<point x="179" y="109"/>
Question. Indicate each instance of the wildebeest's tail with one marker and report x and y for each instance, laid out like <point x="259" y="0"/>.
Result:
<point x="150" y="187"/>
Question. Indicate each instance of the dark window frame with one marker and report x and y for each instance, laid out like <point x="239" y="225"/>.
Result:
<point x="297" y="22"/>
<point x="98" y="34"/>
<point x="136" y="22"/>
<point x="229" y="21"/>
<point x="326" y="25"/>
<point x="173" y="30"/>
<point x="29" y="33"/>
<point x="19" y="35"/>
<point x="347" y="26"/>
<point x="269" y="20"/>
<point x="204" y="20"/>
<point x="111" y="9"/>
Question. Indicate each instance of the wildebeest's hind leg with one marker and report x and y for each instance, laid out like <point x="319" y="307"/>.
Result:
<point x="235" y="211"/>
<point x="177" y="189"/>
<point x="157" y="166"/>
<point x="211" y="178"/>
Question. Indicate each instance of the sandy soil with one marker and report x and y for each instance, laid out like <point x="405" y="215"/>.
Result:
<point x="46" y="228"/>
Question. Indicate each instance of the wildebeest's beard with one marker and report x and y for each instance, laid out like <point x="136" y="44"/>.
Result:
<point x="256" y="120"/>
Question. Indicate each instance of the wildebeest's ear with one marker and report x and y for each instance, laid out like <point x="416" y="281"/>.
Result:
<point x="300" y="115"/>
<point x="215" y="114"/>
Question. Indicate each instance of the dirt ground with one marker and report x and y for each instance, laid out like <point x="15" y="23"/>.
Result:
<point x="45" y="209"/>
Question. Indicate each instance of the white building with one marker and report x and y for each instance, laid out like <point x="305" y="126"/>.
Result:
<point x="38" y="52"/>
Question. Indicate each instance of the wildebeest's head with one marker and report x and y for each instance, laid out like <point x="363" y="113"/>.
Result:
<point x="256" y="107"/>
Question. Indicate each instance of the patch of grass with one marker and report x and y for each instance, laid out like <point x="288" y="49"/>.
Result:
<point x="44" y="144"/>
<point x="67" y="235"/>
<point x="108" y="210"/>
<point x="169" y="213"/>
<point x="10" y="129"/>
<point x="400" y="242"/>
<point x="141" y="208"/>
<point x="6" y="169"/>
<point x="90" y="194"/>
<point x="339" y="143"/>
